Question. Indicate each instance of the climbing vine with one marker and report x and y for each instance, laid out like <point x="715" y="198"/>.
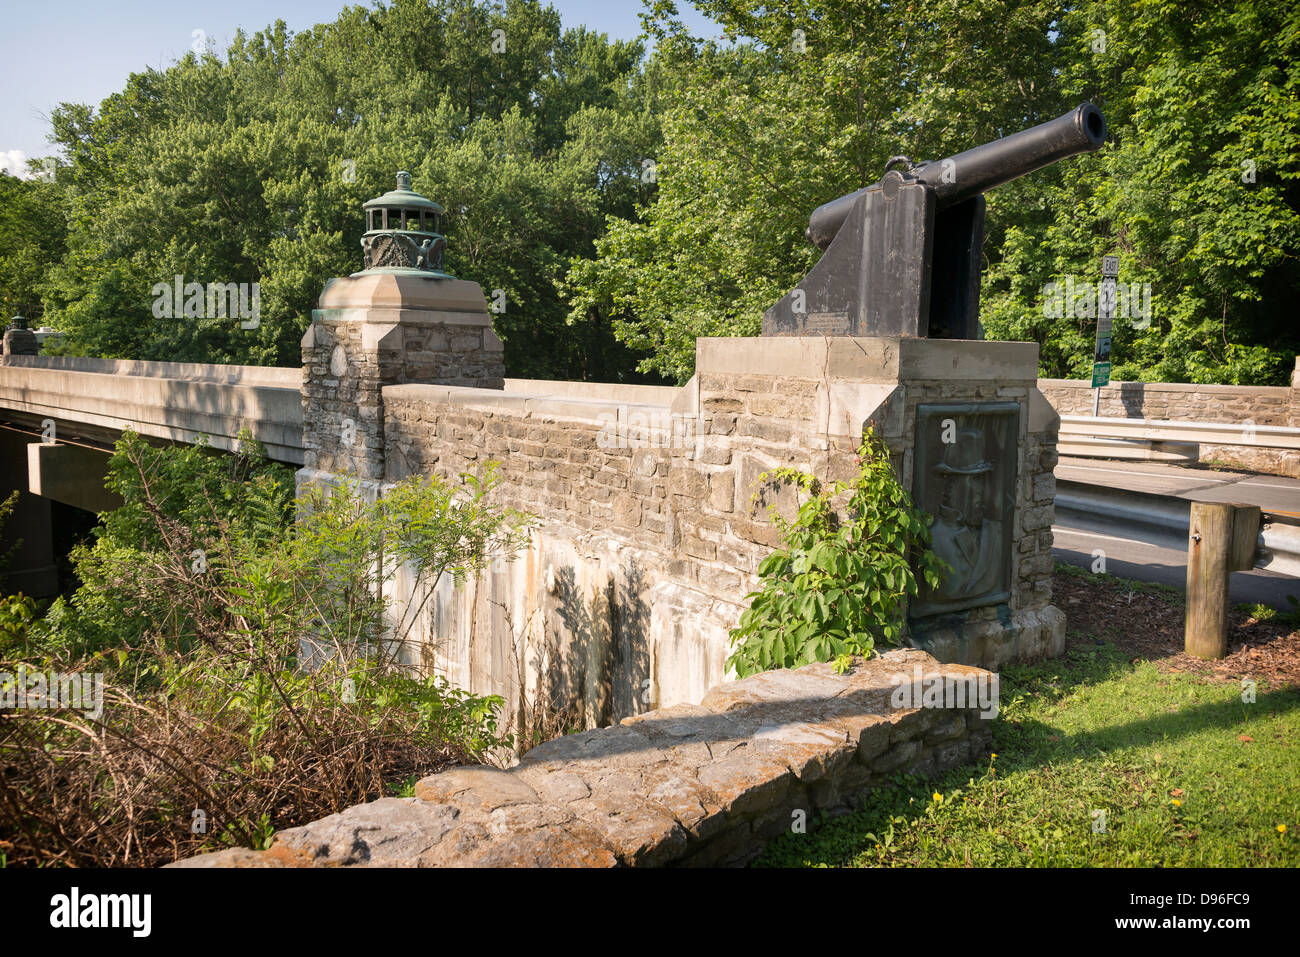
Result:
<point x="840" y="582"/>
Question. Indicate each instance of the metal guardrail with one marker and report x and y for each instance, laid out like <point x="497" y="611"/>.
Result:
<point x="1163" y="521"/>
<point x="1279" y="545"/>
<point x="1163" y="430"/>
<point x="1145" y="450"/>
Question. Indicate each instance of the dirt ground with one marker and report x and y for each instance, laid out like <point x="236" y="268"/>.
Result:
<point x="1147" y="622"/>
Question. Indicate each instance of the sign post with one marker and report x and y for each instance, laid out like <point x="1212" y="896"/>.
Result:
<point x="1105" y="320"/>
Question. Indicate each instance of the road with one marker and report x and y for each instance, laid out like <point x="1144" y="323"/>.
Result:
<point x="1126" y="558"/>
<point x="1149" y="563"/>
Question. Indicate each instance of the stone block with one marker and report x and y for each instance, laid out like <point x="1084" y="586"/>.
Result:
<point x="390" y="831"/>
<point x="486" y="788"/>
<point x="811" y="751"/>
<point x="747" y="782"/>
<point x="896" y="757"/>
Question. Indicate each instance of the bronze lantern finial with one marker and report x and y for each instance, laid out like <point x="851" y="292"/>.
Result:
<point x="404" y="232"/>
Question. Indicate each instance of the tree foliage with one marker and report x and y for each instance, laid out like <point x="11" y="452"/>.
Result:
<point x="627" y="205"/>
<point x="252" y="167"/>
<point x="809" y="99"/>
<point x="33" y="234"/>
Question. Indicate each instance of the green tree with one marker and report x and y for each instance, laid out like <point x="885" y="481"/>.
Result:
<point x="33" y="234"/>
<point x="252" y="168"/>
<point x="1197" y="192"/>
<point x="759" y="132"/>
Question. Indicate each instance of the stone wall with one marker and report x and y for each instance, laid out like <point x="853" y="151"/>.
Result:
<point x="706" y="784"/>
<point x="638" y="565"/>
<point x="653" y="519"/>
<point x="1262" y="405"/>
<point x="1295" y="394"/>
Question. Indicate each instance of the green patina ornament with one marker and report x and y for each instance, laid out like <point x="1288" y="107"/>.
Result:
<point x="403" y="234"/>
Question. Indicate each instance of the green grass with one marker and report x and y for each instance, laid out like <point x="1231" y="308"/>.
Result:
<point x="1083" y="733"/>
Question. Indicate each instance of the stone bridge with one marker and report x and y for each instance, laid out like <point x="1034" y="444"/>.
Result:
<point x="650" y="528"/>
<point x="652" y="515"/>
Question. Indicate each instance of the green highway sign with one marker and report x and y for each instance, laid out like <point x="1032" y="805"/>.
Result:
<point x="1100" y="374"/>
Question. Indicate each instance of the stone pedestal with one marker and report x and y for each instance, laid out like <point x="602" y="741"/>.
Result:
<point x="21" y="342"/>
<point x="971" y="437"/>
<point x="379" y="328"/>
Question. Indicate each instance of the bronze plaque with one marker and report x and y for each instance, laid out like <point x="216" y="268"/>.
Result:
<point x="966" y="463"/>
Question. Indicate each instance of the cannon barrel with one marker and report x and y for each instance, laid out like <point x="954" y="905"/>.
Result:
<point x="978" y="170"/>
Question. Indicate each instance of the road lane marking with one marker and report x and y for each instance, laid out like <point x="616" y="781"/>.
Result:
<point x="1065" y="529"/>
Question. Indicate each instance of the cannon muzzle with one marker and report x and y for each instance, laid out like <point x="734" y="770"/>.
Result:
<point x="978" y="170"/>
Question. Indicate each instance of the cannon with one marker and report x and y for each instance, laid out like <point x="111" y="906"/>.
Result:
<point x="902" y="256"/>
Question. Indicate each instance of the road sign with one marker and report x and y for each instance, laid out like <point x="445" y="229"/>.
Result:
<point x="1106" y="298"/>
<point x="1105" y="323"/>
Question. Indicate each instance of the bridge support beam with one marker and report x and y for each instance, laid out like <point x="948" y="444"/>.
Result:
<point x="71" y="474"/>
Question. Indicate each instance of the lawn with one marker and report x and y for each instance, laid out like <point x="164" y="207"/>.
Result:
<point x="1103" y="758"/>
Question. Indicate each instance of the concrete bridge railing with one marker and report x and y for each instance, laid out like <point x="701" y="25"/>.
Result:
<point x="179" y="401"/>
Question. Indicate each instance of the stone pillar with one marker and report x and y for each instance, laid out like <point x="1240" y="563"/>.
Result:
<point x="970" y="435"/>
<point x="21" y="342"/>
<point x="378" y="328"/>
<point x="979" y="443"/>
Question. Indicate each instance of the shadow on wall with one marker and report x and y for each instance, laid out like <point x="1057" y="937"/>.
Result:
<point x="1132" y="397"/>
<point x="601" y="649"/>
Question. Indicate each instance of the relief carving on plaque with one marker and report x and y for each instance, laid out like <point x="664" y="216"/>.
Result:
<point x="965" y="477"/>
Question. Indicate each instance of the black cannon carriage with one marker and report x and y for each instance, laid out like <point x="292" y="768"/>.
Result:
<point x="902" y="256"/>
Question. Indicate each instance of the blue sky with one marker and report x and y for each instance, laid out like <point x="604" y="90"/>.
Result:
<point x="56" y="51"/>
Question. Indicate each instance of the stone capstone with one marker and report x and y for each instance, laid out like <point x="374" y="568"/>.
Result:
<point x="700" y="784"/>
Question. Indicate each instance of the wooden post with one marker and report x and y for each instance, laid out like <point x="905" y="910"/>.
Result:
<point x="1221" y="539"/>
<point x="1245" y="537"/>
<point x="1209" y="547"/>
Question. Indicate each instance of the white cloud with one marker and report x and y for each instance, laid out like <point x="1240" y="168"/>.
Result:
<point x="14" y="162"/>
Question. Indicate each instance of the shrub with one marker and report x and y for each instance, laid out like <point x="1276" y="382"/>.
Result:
<point x="841" y="580"/>
<point x="252" y="665"/>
